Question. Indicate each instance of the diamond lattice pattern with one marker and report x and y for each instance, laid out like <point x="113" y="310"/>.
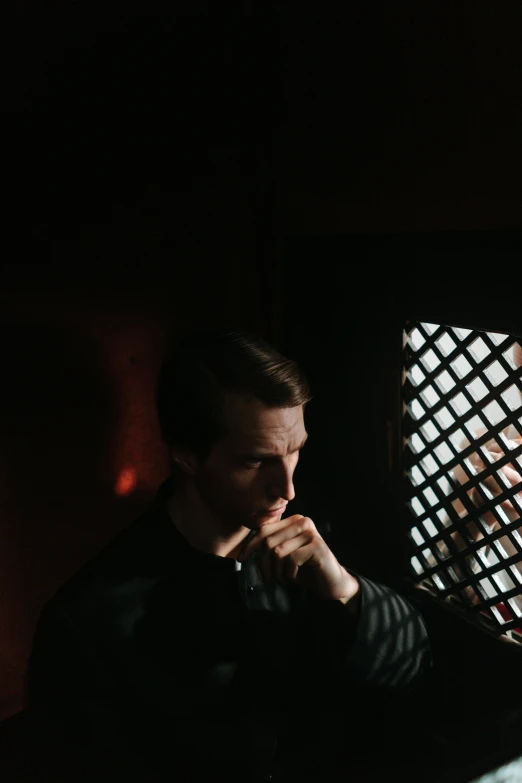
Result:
<point x="462" y="427"/>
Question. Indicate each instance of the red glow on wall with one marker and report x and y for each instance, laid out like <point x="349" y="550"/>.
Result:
<point x="126" y="482"/>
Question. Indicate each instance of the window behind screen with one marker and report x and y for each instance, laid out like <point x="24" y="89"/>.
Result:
<point x="462" y="438"/>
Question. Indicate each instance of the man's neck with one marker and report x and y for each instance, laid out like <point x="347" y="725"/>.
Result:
<point x="201" y="530"/>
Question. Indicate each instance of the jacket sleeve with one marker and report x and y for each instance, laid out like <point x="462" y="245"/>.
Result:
<point x="386" y="647"/>
<point x="391" y="647"/>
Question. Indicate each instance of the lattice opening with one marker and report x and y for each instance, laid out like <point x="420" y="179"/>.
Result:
<point x="462" y="450"/>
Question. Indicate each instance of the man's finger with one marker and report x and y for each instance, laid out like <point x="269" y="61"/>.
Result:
<point x="263" y="533"/>
<point x="283" y="527"/>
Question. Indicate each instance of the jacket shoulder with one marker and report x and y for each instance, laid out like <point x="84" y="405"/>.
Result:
<point x="114" y="582"/>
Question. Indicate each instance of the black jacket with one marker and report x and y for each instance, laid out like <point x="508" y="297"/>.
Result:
<point x="159" y="653"/>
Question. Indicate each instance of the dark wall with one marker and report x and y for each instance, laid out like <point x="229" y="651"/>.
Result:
<point x="403" y="116"/>
<point x="357" y="118"/>
<point x="107" y="109"/>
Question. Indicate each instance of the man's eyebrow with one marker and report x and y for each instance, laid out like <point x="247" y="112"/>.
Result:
<point x="266" y="455"/>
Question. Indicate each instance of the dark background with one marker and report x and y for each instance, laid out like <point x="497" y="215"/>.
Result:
<point x="318" y="174"/>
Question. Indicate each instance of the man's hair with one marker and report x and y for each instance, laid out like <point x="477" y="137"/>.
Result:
<point x="204" y="368"/>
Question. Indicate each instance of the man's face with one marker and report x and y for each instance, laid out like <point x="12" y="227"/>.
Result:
<point x="250" y="472"/>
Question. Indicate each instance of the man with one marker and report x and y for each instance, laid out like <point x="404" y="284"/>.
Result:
<point x="215" y="634"/>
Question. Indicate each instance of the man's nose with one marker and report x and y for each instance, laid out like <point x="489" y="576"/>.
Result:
<point x="284" y="488"/>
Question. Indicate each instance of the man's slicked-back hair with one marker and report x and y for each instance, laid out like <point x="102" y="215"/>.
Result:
<point x="208" y="365"/>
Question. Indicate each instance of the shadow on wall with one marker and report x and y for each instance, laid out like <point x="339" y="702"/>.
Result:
<point x="58" y="410"/>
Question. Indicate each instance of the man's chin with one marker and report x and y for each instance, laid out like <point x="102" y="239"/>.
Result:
<point x="261" y="518"/>
<point x="255" y="522"/>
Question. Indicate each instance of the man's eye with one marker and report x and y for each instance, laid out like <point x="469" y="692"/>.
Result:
<point x="254" y="463"/>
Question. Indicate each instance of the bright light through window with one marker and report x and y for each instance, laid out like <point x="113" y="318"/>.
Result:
<point x="462" y="426"/>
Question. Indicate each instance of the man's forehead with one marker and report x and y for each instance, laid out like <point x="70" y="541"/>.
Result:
<point x="259" y="425"/>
